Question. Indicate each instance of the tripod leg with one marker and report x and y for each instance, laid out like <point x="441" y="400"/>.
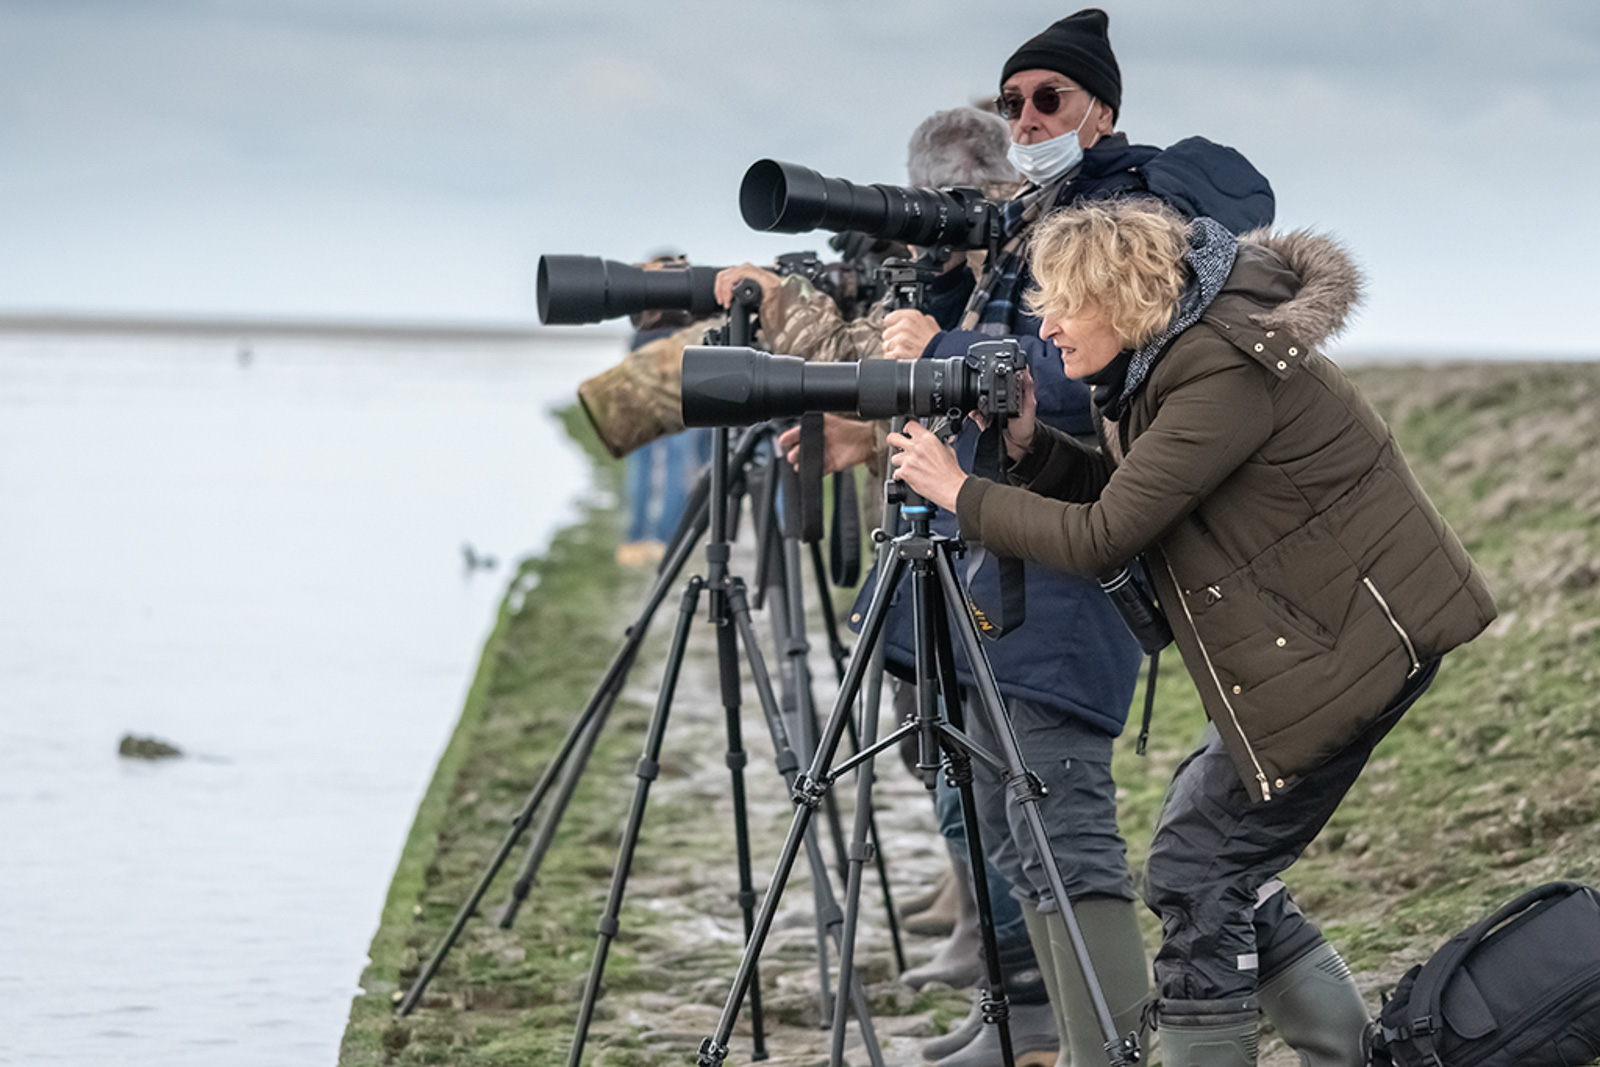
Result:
<point x="794" y="677"/>
<point x="1120" y="1050"/>
<point x="837" y="651"/>
<point x="649" y="765"/>
<point x="872" y="688"/>
<point x="935" y="660"/>
<point x="829" y="918"/>
<point x="690" y="528"/>
<point x="861" y="848"/>
<point x="787" y="601"/>
<point x="799" y="650"/>
<point x="588" y="721"/>
<point x="807" y="793"/>
<point x="728" y="666"/>
<point x="546" y="830"/>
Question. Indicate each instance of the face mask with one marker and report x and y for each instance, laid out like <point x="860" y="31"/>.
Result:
<point x="1046" y="161"/>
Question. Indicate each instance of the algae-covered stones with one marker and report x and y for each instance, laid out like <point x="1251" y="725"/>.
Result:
<point x="146" y="748"/>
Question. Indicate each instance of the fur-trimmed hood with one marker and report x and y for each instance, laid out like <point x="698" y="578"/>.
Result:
<point x="1330" y="285"/>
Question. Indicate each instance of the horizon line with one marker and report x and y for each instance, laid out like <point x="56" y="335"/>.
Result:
<point x="245" y="327"/>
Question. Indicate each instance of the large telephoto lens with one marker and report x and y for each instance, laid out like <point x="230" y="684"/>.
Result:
<point x="573" y="290"/>
<point x="725" y="386"/>
<point x="788" y="198"/>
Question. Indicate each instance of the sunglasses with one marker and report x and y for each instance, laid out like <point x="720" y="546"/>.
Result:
<point x="1046" y="99"/>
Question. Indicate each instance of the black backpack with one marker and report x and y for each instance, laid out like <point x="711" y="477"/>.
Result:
<point x="1519" y="989"/>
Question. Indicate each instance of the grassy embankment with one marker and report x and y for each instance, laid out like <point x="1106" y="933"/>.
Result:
<point x="1489" y="786"/>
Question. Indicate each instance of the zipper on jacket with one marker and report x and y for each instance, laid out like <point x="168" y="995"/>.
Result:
<point x="1261" y="775"/>
<point x="1411" y="650"/>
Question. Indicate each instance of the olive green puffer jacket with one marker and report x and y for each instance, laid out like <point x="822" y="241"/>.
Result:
<point x="1305" y="573"/>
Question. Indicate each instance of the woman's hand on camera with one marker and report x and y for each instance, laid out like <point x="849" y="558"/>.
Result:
<point x="907" y="332"/>
<point x="1021" y="427"/>
<point x="728" y="279"/>
<point x="845" y="443"/>
<point x="927" y="465"/>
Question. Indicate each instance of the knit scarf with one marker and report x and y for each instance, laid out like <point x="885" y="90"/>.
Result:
<point x="989" y="308"/>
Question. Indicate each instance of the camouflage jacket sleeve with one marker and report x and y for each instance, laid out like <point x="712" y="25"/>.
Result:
<point x="800" y="320"/>
<point x="640" y="399"/>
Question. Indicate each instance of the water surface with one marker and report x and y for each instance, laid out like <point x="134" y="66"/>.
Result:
<point x="254" y="553"/>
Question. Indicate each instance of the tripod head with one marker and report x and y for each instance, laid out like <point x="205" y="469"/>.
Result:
<point x="905" y="281"/>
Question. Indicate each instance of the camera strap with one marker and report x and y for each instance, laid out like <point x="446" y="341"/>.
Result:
<point x="812" y="445"/>
<point x="1012" y="609"/>
<point x="844" y="539"/>
<point x="844" y="534"/>
<point x="1149" y="704"/>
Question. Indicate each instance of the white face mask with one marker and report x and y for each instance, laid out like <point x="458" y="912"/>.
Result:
<point x="1046" y="161"/>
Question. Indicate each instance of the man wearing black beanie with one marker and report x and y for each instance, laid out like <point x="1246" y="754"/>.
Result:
<point x="1078" y="47"/>
<point x="1061" y="95"/>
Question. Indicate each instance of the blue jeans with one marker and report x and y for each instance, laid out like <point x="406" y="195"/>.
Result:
<point x="657" y="480"/>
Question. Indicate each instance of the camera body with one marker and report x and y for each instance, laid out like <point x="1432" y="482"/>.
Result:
<point x="999" y="367"/>
<point x="853" y="286"/>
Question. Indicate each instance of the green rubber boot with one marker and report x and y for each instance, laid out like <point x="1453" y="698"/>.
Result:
<point x="1039" y="934"/>
<point x="1209" y="1033"/>
<point x="1317" y="1009"/>
<point x="1110" y="927"/>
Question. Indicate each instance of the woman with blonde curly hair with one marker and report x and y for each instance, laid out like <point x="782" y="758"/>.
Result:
<point x="1310" y="585"/>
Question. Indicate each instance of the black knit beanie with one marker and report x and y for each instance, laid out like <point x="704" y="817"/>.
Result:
<point x="1078" y="47"/>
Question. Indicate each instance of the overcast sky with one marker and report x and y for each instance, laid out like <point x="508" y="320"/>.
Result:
<point x="411" y="159"/>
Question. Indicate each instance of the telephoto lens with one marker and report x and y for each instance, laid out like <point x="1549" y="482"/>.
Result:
<point x="724" y="386"/>
<point x="788" y="198"/>
<point x="574" y="290"/>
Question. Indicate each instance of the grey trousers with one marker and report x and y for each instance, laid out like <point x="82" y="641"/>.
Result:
<point x="1079" y="810"/>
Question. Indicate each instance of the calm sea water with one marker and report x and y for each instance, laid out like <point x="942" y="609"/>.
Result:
<point x="259" y="560"/>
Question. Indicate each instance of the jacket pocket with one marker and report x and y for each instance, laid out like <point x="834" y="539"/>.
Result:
<point x="1297" y="619"/>
<point x="1400" y="631"/>
<point x="1254" y="635"/>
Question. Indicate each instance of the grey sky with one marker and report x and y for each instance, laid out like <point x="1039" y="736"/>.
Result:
<point x="403" y="159"/>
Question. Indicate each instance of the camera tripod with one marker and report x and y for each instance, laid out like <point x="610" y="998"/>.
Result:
<point x="730" y="610"/>
<point x="937" y="599"/>
<point x="709" y="508"/>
